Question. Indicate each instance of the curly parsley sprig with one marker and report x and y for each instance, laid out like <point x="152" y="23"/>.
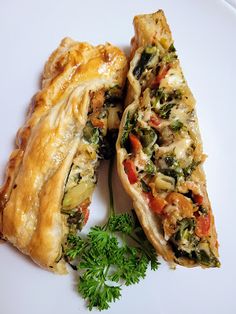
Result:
<point x="105" y="258"/>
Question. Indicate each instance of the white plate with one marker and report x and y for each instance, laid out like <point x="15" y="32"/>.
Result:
<point x="204" y="33"/>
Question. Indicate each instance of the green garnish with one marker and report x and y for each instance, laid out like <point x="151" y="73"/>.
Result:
<point x="172" y="48"/>
<point x="170" y="56"/>
<point x="170" y="160"/>
<point x="176" y="125"/>
<point x="207" y="258"/>
<point x="185" y="234"/>
<point x="91" y="134"/>
<point x="106" y="260"/>
<point x="174" y="173"/>
<point x="150" y="168"/>
<point x="164" y="111"/>
<point x="172" y="168"/>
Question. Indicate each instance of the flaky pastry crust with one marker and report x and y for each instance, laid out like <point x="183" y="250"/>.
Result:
<point x="151" y="29"/>
<point x="31" y="196"/>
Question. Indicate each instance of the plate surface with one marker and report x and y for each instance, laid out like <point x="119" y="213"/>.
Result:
<point x="204" y="33"/>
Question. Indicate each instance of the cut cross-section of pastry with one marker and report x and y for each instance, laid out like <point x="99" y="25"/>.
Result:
<point x="160" y="151"/>
<point x="52" y="173"/>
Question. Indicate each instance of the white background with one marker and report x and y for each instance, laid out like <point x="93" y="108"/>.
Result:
<point x="205" y="38"/>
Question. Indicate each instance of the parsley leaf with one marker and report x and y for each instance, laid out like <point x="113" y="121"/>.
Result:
<point x="106" y="259"/>
<point x="121" y="223"/>
<point x="74" y="246"/>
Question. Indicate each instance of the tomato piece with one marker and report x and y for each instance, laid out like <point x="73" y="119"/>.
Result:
<point x="86" y="216"/>
<point x="198" y="199"/>
<point x="136" y="145"/>
<point x="84" y="210"/>
<point x="156" y="203"/>
<point x="97" y="123"/>
<point x="130" y="170"/>
<point x="161" y="74"/>
<point x="154" y="121"/>
<point x="203" y="225"/>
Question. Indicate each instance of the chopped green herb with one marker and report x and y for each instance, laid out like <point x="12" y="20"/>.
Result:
<point x="207" y="258"/>
<point x="184" y="240"/>
<point x="174" y="173"/>
<point x="170" y="160"/>
<point x="185" y="230"/>
<point x="176" y="125"/>
<point x="165" y="110"/>
<point x="177" y="94"/>
<point x="91" y="134"/>
<point x="150" y="168"/>
<point x="169" y="57"/>
<point x="172" y="48"/>
<point x="161" y="95"/>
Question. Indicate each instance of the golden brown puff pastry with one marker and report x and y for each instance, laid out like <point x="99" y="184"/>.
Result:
<point x="50" y="144"/>
<point x="159" y="150"/>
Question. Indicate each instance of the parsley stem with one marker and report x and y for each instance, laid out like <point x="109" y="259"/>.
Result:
<point x="140" y="243"/>
<point x="111" y="199"/>
<point x="106" y="272"/>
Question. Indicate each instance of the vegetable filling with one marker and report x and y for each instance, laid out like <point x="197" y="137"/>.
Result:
<point x="97" y="143"/>
<point x="163" y="154"/>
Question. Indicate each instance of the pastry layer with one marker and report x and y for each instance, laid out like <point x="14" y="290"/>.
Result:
<point x="36" y="175"/>
<point x="160" y="153"/>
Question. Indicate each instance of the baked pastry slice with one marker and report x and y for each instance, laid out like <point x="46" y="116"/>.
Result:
<point x="160" y="151"/>
<point x="52" y="173"/>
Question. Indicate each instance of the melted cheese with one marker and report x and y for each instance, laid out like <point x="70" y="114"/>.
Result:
<point x="180" y="148"/>
<point x="173" y="79"/>
<point x="180" y="112"/>
<point x="86" y="161"/>
<point x="141" y="160"/>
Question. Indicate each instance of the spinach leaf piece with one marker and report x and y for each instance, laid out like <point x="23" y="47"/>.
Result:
<point x="127" y="129"/>
<point x="145" y="187"/>
<point x="146" y="56"/>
